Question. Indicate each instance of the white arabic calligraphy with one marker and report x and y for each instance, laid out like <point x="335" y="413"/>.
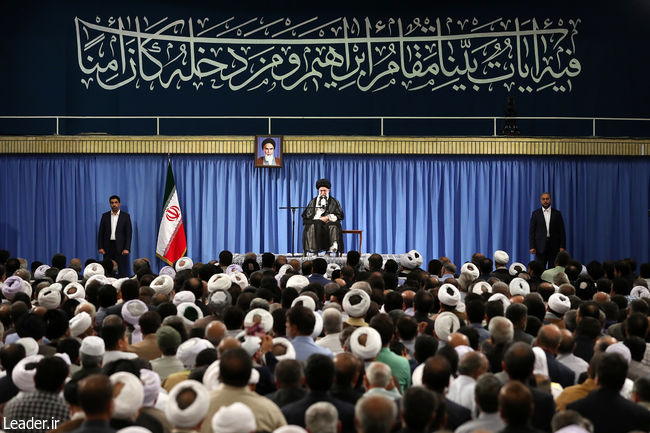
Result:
<point x="414" y="55"/>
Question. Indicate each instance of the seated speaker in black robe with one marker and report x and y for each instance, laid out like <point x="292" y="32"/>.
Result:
<point x="322" y="221"/>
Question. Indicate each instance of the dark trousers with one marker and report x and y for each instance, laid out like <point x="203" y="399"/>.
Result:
<point x="548" y="255"/>
<point x="123" y="266"/>
<point x="319" y="236"/>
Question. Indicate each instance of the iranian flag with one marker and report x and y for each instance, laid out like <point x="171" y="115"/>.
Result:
<point x="171" y="244"/>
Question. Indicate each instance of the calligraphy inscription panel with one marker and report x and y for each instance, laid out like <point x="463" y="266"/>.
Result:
<point x="421" y="54"/>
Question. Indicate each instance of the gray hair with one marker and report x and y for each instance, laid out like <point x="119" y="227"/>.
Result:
<point x="90" y="361"/>
<point x="331" y="321"/>
<point x="92" y="311"/>
<point x="322" y="417"/>
<point x="375" y="414"/>
<point x="24" y="274"/>
<point x="378" y="374"/>
<point x="560" y="278"/>
<point x="470" y="363"/>
<point x="362" y="285"/>
<point x="501" y="330"/>
<point x="570" y="417"/>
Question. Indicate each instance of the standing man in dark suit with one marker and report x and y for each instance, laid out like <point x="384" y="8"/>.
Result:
<point x="114" y="237"/>
<point x="546" y="235"/>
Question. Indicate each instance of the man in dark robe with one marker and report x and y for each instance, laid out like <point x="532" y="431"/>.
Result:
<point x="322" y="221"/>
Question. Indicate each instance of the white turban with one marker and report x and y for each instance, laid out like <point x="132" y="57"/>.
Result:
<point x="151" y="386"/>
<point x="129" y="400"/>
<point x="519" y="286"/>
<point x="167" y="270"/>
<point x="65" y="357"/>
<point x="183" y="263"/>
<point x="183" y="296"/>
<point x="290" y="429"/>
<point x="318" y="325"/>
<point x="49" y="297"/>
<point x="448" y="295"/>
<point x="481" y="287"/>
<point x="236" y="418"/>
<point x="621" y="349"/>
<point x="290" y="352"/>
<point x="470" y="270"/>
<point x="283" y="270"/>
<point x="559" y="303"/>
<point x="93" y="346"/>
<point x="260" y="315"/>
<point x="462" y="350"/>
<point x="331" y="267"/>
<point x="24" y="372"/>
<point x="240" y="279"/>
<point x="11" y="286"/>
<point x="134" y="429"/>
<point x="639" y="292"/>
<point x="99" y="277"/>
<point x="195" y="412"/>
<point x="416" y="377"/>
<point x="502" y="298"/>
<point x="220" y="299"/>
<point x="219" y="282"/>
<point x="356" y="310"/>
<point x="80" y="324"/>
<point x="67" y="274"/>
<point x="75" y="291"/>
<point x="92" y="270"/>
<point x="131" y="312"/>
<point x="297" y="282"/>
<point x="250" y="343"/>
<point x="516" y="268"/>
<point x="501" y="257"/>
<point x="189" y="349"/>
<point x="305" y="301"/>
<point x="163" y="284"/>
<point x="211" y="376"/>
<point x="446" y="324"/>
<point x="30" y="345"/>
<point x="231" y="269"/>
<point x="372" y="346"/>
<point x="189" y="312"/>
<point x="39" y="273"/>
<point x="541" y="364"/>
<point x="118" y="283"/>
<point x="27" y="289"/>
<point x="411" y="260"/>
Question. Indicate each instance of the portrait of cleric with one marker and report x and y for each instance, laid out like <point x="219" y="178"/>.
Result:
<point x="322" y="220"/>
<point x="268" y="151"/>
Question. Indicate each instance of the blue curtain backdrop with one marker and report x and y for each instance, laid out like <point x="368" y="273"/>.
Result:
<point x="439" y="205"/>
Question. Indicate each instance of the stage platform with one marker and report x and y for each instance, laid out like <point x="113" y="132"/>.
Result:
<point x="339" y="260"/>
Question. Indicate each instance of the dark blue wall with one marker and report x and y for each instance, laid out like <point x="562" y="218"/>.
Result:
<point x="600" y="71"/>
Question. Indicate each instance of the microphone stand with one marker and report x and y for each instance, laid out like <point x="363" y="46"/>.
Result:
<point x="293" y="222"/>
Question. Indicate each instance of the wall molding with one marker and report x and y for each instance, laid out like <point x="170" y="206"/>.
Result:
<point x="79" y="144"/>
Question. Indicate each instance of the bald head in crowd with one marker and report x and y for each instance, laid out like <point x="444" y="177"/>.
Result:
<point x="214" y="332"/>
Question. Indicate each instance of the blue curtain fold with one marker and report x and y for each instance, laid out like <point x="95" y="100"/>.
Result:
<point x="439" y="205"/>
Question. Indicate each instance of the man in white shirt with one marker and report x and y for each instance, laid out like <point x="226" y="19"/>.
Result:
<point x="114" y="237"/>
<point x="546" y="235"/>
<point x="461" y="390"/>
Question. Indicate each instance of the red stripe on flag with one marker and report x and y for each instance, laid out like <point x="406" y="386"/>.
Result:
<point x="177" y="245"/>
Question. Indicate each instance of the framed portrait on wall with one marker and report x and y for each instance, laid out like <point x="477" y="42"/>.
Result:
<point x="268" y="151"/>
